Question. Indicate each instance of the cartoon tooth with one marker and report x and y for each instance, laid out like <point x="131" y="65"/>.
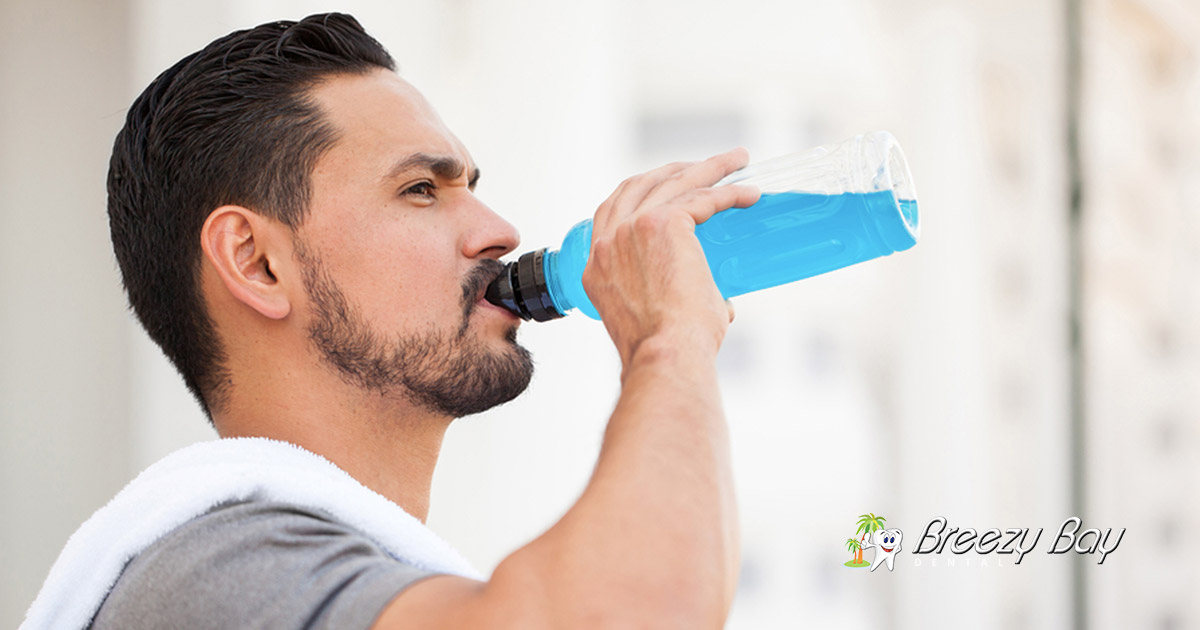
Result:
<point x="887" y="544"/>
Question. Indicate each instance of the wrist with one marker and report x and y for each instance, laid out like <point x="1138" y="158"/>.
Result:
<point x="678" y="352"/>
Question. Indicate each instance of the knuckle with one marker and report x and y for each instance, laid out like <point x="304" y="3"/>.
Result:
<point x="721" y="195"/>
<point x="671" y="183"/>
<point x="699" y="197"/>
<point x="648" y="224"/>
<point x="629" y="181"/>
<point x="733" y="159"/>
<point x="601" y="250"/>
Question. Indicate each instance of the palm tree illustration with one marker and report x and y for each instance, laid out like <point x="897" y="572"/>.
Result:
<point x="867" y="524"/>
<point x="854" y="547"/>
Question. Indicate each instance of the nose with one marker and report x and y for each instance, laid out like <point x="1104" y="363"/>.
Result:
<point x="488" y="234"/>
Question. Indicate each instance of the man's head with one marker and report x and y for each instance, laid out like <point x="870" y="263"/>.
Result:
<point x="284" y="180"/>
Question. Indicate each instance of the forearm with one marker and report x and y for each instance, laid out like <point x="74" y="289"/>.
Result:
<point x="654" y="534"/>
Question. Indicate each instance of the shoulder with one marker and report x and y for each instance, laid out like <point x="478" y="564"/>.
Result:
<point x="257" y="564"/>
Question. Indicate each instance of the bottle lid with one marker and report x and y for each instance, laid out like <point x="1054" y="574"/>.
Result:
<point x="521" y="288"/>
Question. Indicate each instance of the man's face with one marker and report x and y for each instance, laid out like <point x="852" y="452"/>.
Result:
<point x="396" y="252"/>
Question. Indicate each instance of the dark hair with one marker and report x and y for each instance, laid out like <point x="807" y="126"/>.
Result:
<point x="230" y="124"/>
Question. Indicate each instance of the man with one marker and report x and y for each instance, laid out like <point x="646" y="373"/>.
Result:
<point x="297" y="230"/>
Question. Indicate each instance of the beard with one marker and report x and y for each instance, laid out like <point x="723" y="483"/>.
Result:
<point x="454" y="375"/>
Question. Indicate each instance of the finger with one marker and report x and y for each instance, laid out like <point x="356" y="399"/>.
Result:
<point x="700" y="175"/>
<point x="732" y="313"/>
<point x="702" y="203"/>
<point x="630" y="193"/>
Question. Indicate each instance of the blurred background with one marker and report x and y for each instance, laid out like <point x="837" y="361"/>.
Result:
<point x="1035" y="357"/>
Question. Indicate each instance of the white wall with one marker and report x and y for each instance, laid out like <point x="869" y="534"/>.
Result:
<point x="64" y="394"/>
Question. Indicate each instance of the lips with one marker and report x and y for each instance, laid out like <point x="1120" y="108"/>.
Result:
<point x="474" y="285"/>
<point x="886" y="549"/>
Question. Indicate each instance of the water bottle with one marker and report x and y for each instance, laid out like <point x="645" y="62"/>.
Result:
<point x="820" y="210"/>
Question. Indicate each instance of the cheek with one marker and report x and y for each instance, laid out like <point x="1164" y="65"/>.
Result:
<point x="401" y="272"/>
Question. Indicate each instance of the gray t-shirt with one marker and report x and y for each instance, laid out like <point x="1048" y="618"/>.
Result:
<point x="256" y="565"/>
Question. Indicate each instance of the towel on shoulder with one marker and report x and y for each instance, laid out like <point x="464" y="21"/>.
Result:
<point x="194" y="480"/>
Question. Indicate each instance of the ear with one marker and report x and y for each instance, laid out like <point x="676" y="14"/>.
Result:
<point x="244" y="247"/>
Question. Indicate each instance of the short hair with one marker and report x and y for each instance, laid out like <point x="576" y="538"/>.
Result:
<point x="231" y="124"/>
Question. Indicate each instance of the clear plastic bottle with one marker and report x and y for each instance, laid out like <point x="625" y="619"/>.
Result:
<point x="820" y="210"/>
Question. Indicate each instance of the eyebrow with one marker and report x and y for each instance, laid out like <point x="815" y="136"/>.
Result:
<point x="442" y="166"/>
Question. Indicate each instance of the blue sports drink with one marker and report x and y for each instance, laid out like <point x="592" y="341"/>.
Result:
<point x="819" y="211"/>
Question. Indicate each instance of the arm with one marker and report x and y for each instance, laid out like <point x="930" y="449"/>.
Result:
<point x="653" y="540"/>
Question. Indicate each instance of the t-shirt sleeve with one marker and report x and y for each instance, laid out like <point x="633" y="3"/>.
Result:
<point x="257" y="565"/>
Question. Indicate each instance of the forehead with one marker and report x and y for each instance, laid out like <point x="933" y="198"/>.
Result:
<point x="380" y="118"/>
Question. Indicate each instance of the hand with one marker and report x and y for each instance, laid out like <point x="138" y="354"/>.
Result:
<point x="646" y="274"/>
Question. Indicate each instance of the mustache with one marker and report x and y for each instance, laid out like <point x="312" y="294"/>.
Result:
<point x="482" y="275"/>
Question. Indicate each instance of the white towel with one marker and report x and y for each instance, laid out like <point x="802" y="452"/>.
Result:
<point x="194" y="480"/>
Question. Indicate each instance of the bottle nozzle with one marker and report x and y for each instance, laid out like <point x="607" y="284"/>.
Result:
<point x="521" y="288"/>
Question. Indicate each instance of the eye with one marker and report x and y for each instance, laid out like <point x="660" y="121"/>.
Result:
<point x="419" y="189"/>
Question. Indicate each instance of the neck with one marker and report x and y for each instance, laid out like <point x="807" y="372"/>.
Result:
<point x="388" y="446"/>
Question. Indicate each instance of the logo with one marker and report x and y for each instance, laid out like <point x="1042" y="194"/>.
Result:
<point x="872" y="535"/>
<point x="938" y="537"/>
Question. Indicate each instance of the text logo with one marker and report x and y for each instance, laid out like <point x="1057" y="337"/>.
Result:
<point x="939" y="536"/>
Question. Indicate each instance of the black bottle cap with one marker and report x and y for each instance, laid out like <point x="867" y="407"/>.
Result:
<point x="521" y="288"/>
